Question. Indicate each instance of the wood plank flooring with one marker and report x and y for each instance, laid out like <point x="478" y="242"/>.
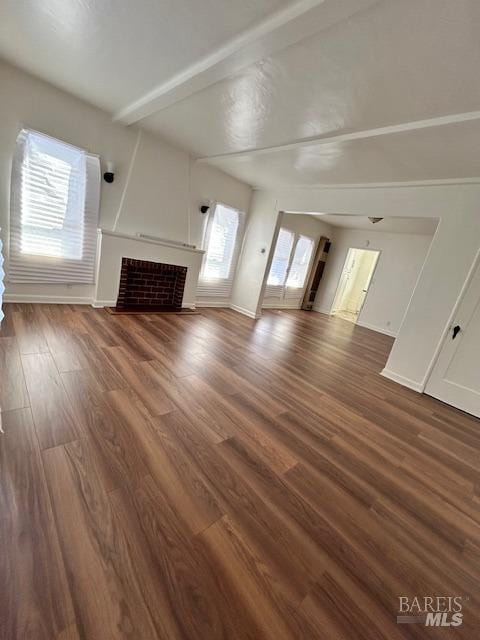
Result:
<point x="214" y="477"/>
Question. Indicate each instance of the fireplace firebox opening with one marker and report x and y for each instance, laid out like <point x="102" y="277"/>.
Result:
<point x="150" y="286"/>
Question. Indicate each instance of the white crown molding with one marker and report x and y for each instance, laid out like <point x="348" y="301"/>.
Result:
<point x="442" y="182"/>
<point x="279" y="30"/>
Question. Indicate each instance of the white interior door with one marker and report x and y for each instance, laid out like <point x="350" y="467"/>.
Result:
<point x="355" y="281"/>
<point x="345" y="282"/>
<point x="455" y="378"/>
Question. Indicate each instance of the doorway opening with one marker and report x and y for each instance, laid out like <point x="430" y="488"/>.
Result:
<point x="354" y="283"/>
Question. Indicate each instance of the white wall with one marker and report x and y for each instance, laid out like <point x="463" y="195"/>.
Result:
<point x="307" y="226"/>
<point x="398" y="268"/>
<point x="451" y="254"/>
<point x="157" y="198"/>
<point x="165" y="188"/>
<point x="255" y="257"/>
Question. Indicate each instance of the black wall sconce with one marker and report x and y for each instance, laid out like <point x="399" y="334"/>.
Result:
<point x="109" y="175"/>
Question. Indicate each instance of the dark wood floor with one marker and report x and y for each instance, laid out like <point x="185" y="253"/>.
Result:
<point x="207" y="477"/>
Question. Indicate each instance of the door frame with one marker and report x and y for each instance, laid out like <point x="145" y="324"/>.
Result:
<point x="379" y="252"/>
<point x="446" y="331"/>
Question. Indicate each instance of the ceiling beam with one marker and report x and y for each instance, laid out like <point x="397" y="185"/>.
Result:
<point x="346" y="137"/>
<point x="289" y="25"/>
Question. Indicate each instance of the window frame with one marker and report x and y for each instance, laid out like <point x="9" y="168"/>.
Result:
<point x="283" y="291"/>
<point x="79" y="230"/>
<point x="211" y="287"/>
<point x="289" y="258"/>
<point x="309" y="262"/>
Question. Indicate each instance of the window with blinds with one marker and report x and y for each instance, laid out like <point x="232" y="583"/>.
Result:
<point x="221" y="244"/>
<point x="290" y="264"/>
<point x="54" y="211"/>
<point x="301" y="261"/>
<point x="280" y="263"/>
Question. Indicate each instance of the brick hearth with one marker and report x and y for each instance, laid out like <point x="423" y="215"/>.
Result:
<point x="153" y="286"/>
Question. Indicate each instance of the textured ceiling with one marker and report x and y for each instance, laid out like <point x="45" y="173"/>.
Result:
<point x="447" y="152"/>
<point x="111" y="52"/>
<point x="395" y="62"/>
<point x="220" y="78"/>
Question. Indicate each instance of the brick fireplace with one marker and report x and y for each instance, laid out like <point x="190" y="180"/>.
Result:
<point x="150" y="286"/>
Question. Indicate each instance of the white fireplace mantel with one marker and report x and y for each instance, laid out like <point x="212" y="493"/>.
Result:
<point x="150" y="240"/>
<point x="112" y="247"/>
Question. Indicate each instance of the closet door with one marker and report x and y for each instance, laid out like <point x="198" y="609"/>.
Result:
<point x="455" y="379"/>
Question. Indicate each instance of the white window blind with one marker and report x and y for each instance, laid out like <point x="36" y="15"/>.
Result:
<point x="221" y="243"/>
<point x="301" y="261"/>
<point x="280" y="263"/>
<point x="55" y="195"/>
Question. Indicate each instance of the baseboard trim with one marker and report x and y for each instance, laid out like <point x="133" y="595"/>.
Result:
<point x="99" y="304"/>
<point x="212" y="305"/>
<point x="245" y="312"/>
<point x="405" y="382"/>
<point x="373" y="327"/>
<point x="326" y="312"/>
<point x="280" y="306"/>
<point x="24" y="298"/>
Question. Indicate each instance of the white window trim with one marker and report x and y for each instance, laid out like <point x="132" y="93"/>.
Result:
<point x="220" y="287"/>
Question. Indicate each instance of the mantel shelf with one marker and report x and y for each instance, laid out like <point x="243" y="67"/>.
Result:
<point x="163" y="243"/>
